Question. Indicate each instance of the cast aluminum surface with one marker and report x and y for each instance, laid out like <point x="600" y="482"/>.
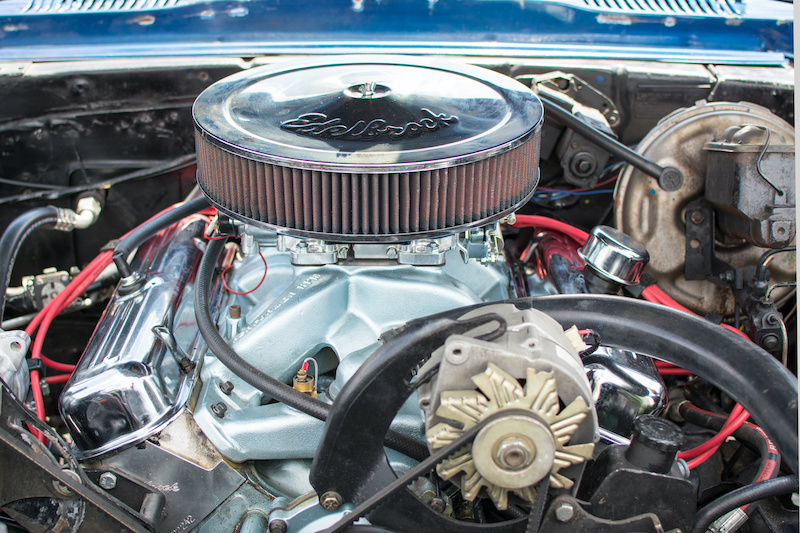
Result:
<point x="13" y="365"/>
<point x="127" y="384"/>
<point x="334" y="313"/>
<point x="654" y="217"/>
<point x="183" y="466"/>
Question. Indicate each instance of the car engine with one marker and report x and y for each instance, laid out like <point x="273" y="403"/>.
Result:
<point x="374" y="308"/>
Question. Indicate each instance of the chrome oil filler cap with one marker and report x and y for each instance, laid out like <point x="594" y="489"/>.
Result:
<point x="614" y="256"/>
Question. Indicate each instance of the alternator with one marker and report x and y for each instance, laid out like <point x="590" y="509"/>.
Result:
<point x="529" y="371"/>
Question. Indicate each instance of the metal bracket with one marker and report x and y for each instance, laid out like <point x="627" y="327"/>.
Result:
<point x="566" y="515"/>
<point x="31" y="479"/>
<point x="580" y="91"/>
<point x="702" y="262"/>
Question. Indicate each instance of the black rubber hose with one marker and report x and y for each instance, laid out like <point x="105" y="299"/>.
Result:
<point x="612" y="146"/>
<point x="743" y="496"/>
<point x="12" y="239"/>
<point x="255" y="377"/>
<point x="728" y="361"/>
<point x="143" y="233"/>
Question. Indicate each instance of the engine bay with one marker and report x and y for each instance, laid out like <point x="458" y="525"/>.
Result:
<point x="390" y="293"/>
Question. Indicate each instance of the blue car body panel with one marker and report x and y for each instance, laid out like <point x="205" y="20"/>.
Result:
<point x="707" y="31"/>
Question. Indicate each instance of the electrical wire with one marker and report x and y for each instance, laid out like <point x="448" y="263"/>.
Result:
<point x="703" y="452"/>
<point x="316" y="370"/>
<point x="767" y="256"/>
<point x="545" y="223"/>
<point x="263" y="277"/>
<point x="173" y="165"/>
<point x="748" y="434"/>
<point x="44" y="318"/>
<point x="555" y="195"/>
<point x="651" y="293"/>
<point x="778" y="286"/>
<point x="61" y="378"/>
<point x="29" y="185"/>
<point x="581" y="189"/>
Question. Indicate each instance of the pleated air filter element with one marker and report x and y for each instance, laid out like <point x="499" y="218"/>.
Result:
<point x="368" y="149"/>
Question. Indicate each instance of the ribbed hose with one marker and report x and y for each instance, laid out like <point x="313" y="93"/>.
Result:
<point x="143" y="233"/>
<point x="258" y="379"/>
<point x="743" y="496"/>
<point x="12" y="239"/>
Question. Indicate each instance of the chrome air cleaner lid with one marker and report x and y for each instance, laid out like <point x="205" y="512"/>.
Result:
<point x="368" y="147"/>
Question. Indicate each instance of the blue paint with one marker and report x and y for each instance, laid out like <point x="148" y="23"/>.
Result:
<point x="566" y="28"/>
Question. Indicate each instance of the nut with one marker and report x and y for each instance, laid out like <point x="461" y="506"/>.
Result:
<point x="226" y="387"/>
<point x="218" y="409"/>
<point x="514" y="453"/>
<point x="108" y="480"/>
<point x="330" y="501"/>
<point x="697" y="217"/>
<point x="61" y="489"/>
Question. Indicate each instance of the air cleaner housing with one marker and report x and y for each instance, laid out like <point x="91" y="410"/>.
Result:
<point x="369" y="148"/>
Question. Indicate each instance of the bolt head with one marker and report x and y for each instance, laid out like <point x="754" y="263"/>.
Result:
<point x="108" y="480"/>
<point x="565" y="512"/>
<point x="330" y="501"/>
<point x="437" y="504"/>
<point x="391" y="252"/>
<point x="697" y="217"/>
<point x="770" y="342"/>
<point x="278" y="526"/>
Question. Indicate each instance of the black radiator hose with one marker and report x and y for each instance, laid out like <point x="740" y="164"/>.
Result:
<point x="144" y="232"/>
<point x="255" y="377"/>
<point x="12" y="239"/>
